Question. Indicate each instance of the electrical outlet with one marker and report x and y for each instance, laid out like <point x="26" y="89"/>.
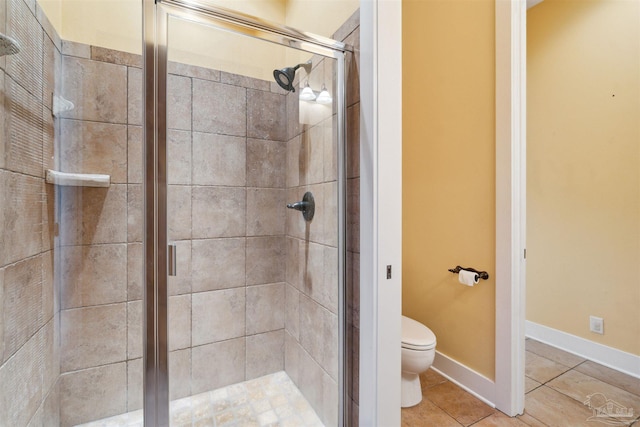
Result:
<point x="596" y="324"/>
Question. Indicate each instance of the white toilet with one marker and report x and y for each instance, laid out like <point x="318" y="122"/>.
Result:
<point x="418" y="351"/>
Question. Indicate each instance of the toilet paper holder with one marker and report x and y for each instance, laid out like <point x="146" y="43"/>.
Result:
<point x="481" y="274"/>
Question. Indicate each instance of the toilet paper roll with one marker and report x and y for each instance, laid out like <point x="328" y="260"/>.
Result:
<point x="468" y="278"/>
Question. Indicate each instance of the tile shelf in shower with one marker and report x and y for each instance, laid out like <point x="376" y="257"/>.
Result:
<point x="77" y="179"/>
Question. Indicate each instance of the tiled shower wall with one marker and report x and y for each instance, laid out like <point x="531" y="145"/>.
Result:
<point x="311" y="321"/>
<point x="29" y="357"/>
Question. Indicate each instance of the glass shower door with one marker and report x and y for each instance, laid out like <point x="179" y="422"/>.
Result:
<point x="254" y="302"/>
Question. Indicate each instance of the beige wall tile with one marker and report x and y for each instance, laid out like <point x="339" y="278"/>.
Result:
<point x="311" y="256"/>
<point x="134" y="154"/>
<point x="330" y="154"/>
<point x="50" y="303"/>
<point x="48" y="215"/>
<point x="319" y="334"/>
<point x="217" y="264"/>
<point x="327" y="294"/>
<point x="135" y="219"/>
<point x="352" y="68"/>
<point x="292" y="311"/>
<point x="265" y="308"/>
<point x="22" y="217"/>
<point x="134" y="96"/>
<point x="50" y="131"/>
<point x="219" y="212"/>
<point x="266" y="211"/>
<point x="134" y="271"/>
<point x="3" y="111"/>
<point x="179" y="212"/>
<point x="266" y="258"/>
<point x="179" y="102"/>
<point x="17" y="401"/>
<point x="22" y="303"/>
<point x="310" y="381"/>
<point x="243" y="81"/>
<point x="293" y="264"/>
<point x="265" y="354"/>
<point x="179" y="322"/>
<point x="330" y="401"/>
<point x="135" y="390"/>
<point x="93" y="394"/>
<point x="134" y="329"/>
<point x="178" y="157"/>
<point x="219" y="159"/>
<point x="218" y="316"/>
<point x="80" y="50"/>
<point x="312" y="156"/>
<point x="329" y="209"/>
<point x="92" y="275"/>
<point x="93" y="215"/>
<point x="295" y="168"/>
<point x="97" y="89"/>
<point x="91" y="147"/>
<point x="26" y="67"/>
<point x="295" y="224"/>
<point x="228" y="116"/>
<point x="116" y="56"/>
<point x="193" y="71"/>
<point x="50" y="335"/>
<point x="217" y="365"/>
<point x="179" y="374"/>
<point x="266" y="163"/>
<point x="266" y="115"/>
<point x="292" y="103"/>
<point x="292" y="351"/>
<point x="353" y="141"/>
<point x="93" y="336"/>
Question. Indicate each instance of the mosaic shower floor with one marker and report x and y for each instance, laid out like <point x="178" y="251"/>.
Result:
<point x="272" y="400"/>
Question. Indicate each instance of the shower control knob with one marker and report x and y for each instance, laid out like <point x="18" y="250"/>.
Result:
<point x="307" y="206"/>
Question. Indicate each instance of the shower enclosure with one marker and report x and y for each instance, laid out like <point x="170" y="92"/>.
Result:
<point x="149" y="259"/>
<point x="237" y="286"/>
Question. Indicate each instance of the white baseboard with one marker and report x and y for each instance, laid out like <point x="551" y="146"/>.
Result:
<point x="602" y="354"/>
<point x="477" y="384"/>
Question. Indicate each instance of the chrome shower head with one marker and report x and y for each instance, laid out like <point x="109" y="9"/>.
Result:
<point x="285" y="76"/>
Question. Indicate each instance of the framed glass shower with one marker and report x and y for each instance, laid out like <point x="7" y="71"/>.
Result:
<point x="159" y="250"/>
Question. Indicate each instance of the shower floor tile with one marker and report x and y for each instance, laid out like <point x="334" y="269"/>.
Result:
<point x="266" y="401"/>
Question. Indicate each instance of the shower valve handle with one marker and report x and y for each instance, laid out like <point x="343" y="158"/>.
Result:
<point x="307" y="206"/>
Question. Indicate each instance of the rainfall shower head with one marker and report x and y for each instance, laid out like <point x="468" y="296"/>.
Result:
<point x="284" y="77"/>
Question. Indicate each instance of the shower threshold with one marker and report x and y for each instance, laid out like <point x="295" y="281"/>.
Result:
<point x="272" y="400"/>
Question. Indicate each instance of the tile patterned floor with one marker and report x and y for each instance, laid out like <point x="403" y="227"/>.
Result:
<point x="272" y="400"/>
<point x="557" y="385"/>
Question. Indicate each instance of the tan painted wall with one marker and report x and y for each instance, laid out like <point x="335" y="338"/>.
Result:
<point x="449" y="173"/>
<point x="117" y="24"/>
<point x="584" y="168"/>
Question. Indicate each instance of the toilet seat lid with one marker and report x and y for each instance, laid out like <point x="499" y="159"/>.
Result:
<point x="416" y="336"/>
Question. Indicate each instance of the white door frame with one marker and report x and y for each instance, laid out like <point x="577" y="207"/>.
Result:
<point x="380" y="211"/>
<point x="511" y="21"/>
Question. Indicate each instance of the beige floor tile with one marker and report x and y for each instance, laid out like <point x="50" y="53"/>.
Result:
<point x="462" y="406"/>
<point x="430" y="378"/>
<point x="426" y="414"/>
<point x="499" y="419"/>
<point x="531" y="421"/>
<point x="552" y="353"/>
<point x="611" y="376"/>
<point x="556" y="409"/>
<point x="580" y="386"/>
<point x="530" y="384"/>
<point x="542" y="369"/>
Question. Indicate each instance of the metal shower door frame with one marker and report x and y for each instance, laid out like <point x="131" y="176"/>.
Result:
<point x="155" y="18"/>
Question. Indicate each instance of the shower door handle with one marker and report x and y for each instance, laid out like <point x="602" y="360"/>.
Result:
<point x="172" y="259"/>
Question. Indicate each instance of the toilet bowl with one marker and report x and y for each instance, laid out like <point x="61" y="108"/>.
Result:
<point x="418" y="351"/>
